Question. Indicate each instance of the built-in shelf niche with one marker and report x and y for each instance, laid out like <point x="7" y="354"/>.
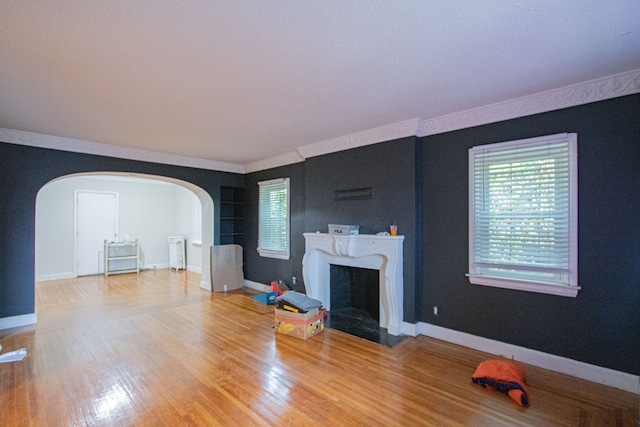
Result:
<point x="232" y="211"/>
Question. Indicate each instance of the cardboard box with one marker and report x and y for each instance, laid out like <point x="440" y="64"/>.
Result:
<point x="279" y="286"/>
<point x="344" y="229"/>
<point x="298" y="316"/>
<point x="300" y="325"/>
<point x="266" y="298"/>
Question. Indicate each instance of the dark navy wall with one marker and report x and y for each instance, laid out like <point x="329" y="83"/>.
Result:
<point x="389" y="169"/>
<point x="24" y="170"/>
<point x="421" y="184"/>
<point x="264" y="270"/>
<point x="601" y="325"/>
<point x="313" y="207"/>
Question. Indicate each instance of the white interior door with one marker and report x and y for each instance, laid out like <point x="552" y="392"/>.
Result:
<point x="96" y="221"/>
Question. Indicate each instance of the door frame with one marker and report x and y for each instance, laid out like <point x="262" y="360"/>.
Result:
<point x="76" y="194"/>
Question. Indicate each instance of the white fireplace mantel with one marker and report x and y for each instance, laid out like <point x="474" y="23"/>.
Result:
<point x="383" y="253"/>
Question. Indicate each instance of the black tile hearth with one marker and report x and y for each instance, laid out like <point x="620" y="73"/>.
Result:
<point x="360" y="324"/>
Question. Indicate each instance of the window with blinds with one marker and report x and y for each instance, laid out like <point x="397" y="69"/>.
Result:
<point x="273" y="218"/>
<point x="523" y="215"/>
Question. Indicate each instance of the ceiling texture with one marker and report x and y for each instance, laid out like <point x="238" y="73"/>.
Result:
<point x="242" y="81"/>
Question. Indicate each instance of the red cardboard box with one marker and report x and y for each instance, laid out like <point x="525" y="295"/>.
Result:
<point x="279" y="286"/>
<point x="300" y="325"/>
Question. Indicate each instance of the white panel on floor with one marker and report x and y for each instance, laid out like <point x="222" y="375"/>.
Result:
<point x="226" y="268"/>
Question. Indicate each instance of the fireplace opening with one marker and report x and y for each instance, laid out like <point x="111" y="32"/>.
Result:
<point x="355" y="288"/>
<point x="355" y="304"/>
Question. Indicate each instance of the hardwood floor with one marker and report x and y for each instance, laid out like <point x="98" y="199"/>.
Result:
<point x="154" y="349"/>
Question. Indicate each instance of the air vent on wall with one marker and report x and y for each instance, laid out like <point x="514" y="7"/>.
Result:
<point x="352" y="194"/>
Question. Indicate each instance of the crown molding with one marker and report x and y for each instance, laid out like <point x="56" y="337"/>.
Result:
<point x="360" y="139"/>
<point x="85" y="147"/>
<point x="614" y="86"/>
<point x="601" y="89"/>
<point x="274" y="162"/>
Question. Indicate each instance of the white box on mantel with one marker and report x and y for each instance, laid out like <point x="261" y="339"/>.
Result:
<point x="344" y="229"/>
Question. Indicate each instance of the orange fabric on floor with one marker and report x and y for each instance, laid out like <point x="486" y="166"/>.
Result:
<point x="504" y="376"/>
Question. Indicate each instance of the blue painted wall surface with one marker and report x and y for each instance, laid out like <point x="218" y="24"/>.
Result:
<point x="601" y="326"/>
<point x="422" y="184"/>
<point x="389" y="169"/>
<point x="23" y="172"/>
<point x="261" y="269"/>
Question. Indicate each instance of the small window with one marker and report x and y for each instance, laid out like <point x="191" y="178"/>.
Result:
<point x="523" y="215"/>
<point x="273" y="218"/>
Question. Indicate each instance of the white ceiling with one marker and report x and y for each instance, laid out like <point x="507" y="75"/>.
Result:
<point x="240" y="81"/>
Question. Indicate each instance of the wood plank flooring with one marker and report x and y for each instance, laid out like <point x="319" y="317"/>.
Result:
<point x="153" y="349"/>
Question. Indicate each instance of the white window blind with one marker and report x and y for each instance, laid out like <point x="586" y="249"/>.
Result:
<point x="523" y="219"/>
<point x="273" y="218"/>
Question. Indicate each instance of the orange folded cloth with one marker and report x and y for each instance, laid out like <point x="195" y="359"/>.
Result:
<point x="504" y="376"/>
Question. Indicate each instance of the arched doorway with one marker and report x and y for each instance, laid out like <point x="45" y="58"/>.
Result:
<point x="63" y="221"/>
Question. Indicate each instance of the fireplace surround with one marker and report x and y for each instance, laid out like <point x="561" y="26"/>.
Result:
<point x="382" y="253"/>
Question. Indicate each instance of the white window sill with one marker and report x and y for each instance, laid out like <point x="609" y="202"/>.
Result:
<point x="543" y="288"/>
<point x="273" y="254"/>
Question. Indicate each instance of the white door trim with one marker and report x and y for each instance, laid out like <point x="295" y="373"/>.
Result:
<point x="76" y="194"/>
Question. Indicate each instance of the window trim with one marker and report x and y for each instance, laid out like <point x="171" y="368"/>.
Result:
<point x="270" y="253"/>
<point x="569" y="290"/>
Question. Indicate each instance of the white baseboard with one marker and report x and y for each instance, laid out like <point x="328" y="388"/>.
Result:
<point x="194" y="269"/>
<point x="409" y="329"/>
<point x="18" y="321"/>
<point x="154" y="266"/>
<point x="56" y="276"/>
<point x="257" y="286"/>
<point x="586" y="371"/>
